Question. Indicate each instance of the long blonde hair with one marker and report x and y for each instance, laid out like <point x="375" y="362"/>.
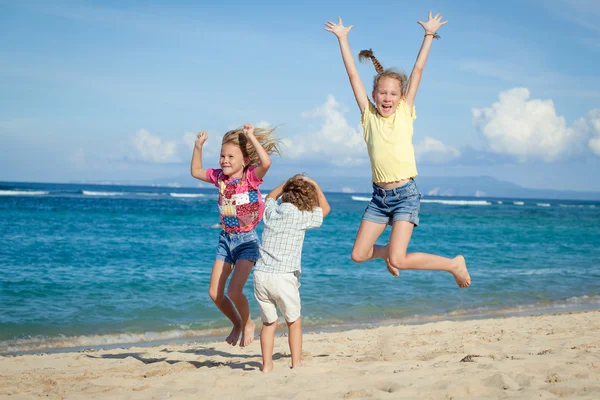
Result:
<point x="364" y="55"/>
<point x="264" y="136"/>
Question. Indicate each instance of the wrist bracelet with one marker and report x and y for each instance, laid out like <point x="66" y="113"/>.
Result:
<point x="435" y="35"/>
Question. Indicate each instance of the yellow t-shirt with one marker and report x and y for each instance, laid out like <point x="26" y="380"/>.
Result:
<point x="389" y="142"/>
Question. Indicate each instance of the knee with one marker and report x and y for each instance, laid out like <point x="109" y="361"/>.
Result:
<point x="398" y="262"/>
<point x="216" y="296"/>
<point x="358" y="257"/>
<point x="235" y="293"/>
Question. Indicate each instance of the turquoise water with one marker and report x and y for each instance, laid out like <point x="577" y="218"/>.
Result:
<point x="86" y="265"/>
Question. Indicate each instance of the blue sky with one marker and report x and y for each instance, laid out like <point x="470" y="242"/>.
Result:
<point x="116" y="90"/>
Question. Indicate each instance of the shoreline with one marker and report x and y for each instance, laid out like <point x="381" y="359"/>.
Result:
<point x="215" y="335"/>
<point x="542" y="356"/>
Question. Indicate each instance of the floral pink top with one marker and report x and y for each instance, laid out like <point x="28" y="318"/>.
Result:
<point x="240" y="203"/>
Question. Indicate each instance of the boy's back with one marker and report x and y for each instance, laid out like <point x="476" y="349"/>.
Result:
<point x="283" y="236"/>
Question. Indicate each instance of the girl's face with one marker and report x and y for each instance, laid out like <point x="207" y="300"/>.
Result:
<point x="232" y="160"/>
<point x="387" y="96"/>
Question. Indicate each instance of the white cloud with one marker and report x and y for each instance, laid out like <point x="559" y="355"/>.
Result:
<point x="347" y="189"/>
<point x="526" y="128"/>
<point x="335" y="129"/>
<point x="433" y="151"/>
<point x="153" y="148"/>
<point x="263" y="124"/>
<point x="334" y="141"/>
<point x="594" y="122"/>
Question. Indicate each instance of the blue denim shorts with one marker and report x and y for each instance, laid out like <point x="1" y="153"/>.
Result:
<point x="399" y="204"/>
<point x="238" y="246"/>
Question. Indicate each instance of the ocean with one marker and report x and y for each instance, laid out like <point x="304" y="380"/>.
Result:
<point x="105" y="265"/>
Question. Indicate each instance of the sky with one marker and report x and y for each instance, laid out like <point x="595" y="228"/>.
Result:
<point x="113" y="91"/>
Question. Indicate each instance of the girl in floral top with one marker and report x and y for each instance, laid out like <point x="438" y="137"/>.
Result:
<point x="244" y="162"/>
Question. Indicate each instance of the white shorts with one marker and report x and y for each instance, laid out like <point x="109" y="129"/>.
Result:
<point x="277" y="290"/>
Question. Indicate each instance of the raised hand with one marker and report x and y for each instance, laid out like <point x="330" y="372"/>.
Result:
<point x="433" y="24"/>
<point x="338" y="29"/>
<point x="201" y="139"/>
<point x="248" y="129"/>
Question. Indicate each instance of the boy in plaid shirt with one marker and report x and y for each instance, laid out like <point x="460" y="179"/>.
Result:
<point x="303" y="206"/>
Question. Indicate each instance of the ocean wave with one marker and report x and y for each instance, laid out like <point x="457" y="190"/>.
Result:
<point x="186" y="195"/>
<point x="91" y="193"/>
<point x="73" y="342"/>
<point x="459" y="202"/>
<point x="360" y="198"/>
<point x="23" y="193"/>
<point x="543" y="204"/>
<point x="518" y="203"/>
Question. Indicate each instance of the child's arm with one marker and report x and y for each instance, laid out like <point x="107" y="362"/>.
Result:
<point x="431" y="27"/>
<point x="263" y="156"/>
<point x="196" y="168"/>
<point x="277" y="192"/>
<point x="341" y="32"/>
<point x="321" y="199"/>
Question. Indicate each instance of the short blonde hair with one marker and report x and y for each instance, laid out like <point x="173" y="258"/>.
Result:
<point x="300" y="193"/>
<point x="264" y="136"/>
<point x="383" y="73"/>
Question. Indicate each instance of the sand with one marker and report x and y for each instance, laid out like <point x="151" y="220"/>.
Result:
<point x="547" y="356"/>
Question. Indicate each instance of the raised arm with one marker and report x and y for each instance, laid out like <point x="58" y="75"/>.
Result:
<point x="431" y="27"/>
<point x="196" y="168"/>
<point x="321" y="199"/>
<point x="277" y="192"/>
<point x="341" y="32"/>
<point x="263" y="156"/>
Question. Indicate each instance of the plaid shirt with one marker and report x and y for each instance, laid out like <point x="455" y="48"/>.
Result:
<point x="283" y="236"/>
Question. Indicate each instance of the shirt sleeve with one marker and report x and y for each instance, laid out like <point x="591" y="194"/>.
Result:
<point x="213" y="175"/>
<point x="314" y="218"/>
<point x="270" y="207"/>
<point x="411" y="113"/>
<point x="369" y="111"/>
<point x="253" y="180"/>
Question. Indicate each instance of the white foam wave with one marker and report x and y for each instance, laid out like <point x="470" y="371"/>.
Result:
<point x="186" y="195"/>
<point x="500" y="202"/>
<point x="543" y="204"/>
<point x="518" y="203"/>
<point x="22" y="193"/>
<point x="66" y="342"/>
<point x="91" y="193"/>
<point x="360" y="198"/>
<point x="459" y="202"/>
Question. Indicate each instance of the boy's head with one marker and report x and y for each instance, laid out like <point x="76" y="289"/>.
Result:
<point x="300" y="193"/>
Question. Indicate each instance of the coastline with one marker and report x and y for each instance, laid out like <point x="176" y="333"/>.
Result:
<point x="116" y="340"/>
<point x="548" y="355"/>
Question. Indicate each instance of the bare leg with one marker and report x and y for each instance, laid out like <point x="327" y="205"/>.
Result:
<point x="267" y="339"/>
<point x="365" y="248"/>
<point x="401" y="233"/>
<point x="295" y="341"/>
<point x="216" y="291"/>
<point x="235" y="292"/>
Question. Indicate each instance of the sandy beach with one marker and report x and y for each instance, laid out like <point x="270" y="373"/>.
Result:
<point x="546" y="356"/>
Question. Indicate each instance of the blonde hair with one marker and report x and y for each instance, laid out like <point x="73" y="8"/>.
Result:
<point x="300" y="193"/>
<point x="363" y="55"/>
<point x="264" y="136"/>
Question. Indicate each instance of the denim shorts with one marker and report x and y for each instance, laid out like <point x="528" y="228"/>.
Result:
<point x="238" y="246"/>
<point x="399" y="204"/>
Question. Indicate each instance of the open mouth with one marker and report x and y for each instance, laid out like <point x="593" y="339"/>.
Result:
<point x="386" y="108"/>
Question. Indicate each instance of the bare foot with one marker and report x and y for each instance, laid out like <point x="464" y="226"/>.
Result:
<point x="296" y="365"/>
<point x="233" y="337"/>
<point x="460" y="272"/>
<point x="267" y="367"/>
<point x="248" y="334"/>
<point x="392" y="270"/>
